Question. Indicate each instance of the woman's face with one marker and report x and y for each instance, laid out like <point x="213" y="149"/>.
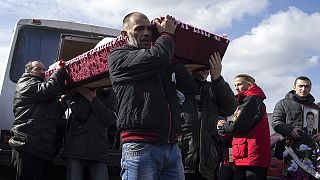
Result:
<point x="240" y="84"/>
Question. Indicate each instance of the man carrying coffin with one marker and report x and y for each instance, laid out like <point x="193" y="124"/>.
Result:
<point x="149" y="87"/>
<point x="37" y="112"/>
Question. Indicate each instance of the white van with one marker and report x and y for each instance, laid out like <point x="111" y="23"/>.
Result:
<point x="44" y="40"/>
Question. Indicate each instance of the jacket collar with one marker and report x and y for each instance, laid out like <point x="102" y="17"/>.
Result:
<point x="302" y="100"/>
<point x="253" y="90"/>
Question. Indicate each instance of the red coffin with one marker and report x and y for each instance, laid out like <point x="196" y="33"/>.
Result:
<point x="90" y="69"/>
<point x="193" y="48"/>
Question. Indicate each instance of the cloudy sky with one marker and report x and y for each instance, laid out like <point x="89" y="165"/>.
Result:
<point x="274" y="41"/>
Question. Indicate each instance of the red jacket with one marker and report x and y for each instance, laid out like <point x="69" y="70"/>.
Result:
<point x="251" y="136"/>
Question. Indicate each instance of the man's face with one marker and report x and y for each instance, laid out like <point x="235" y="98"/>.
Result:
<point x="240" y="85"/>
<point x="37" y="69"/>
<point x="139" y="33"/>
<point x="302" y="88"/>
<point x="310" y="121"/>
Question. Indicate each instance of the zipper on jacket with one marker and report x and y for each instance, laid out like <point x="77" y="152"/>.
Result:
<point x="170" y="124"/>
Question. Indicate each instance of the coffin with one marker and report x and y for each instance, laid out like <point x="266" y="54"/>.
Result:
<point x="193" y="49"/>
<point x="194" y="45"/>
<point x="90" y="69"/>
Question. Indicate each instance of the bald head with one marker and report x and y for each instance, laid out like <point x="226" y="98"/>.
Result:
<point x="35" y="68"/>
<point x="129" y="19"/>
<point x="137" y="29"/>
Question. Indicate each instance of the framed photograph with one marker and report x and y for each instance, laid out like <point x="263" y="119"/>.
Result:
<point x="310" y="121"/>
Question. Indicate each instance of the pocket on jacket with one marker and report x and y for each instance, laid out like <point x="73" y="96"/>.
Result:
<point x="214" y="156"/>
<point x="79" y="131"/>
<point x="51" y="131"/>
<point x="76" y="142"/>
<point x="49" y="135"/>
<point x="48" y="128"/>
<point x="77" y="145"/>
<point x="239" y="148"/>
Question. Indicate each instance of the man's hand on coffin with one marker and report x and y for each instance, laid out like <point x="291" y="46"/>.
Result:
<point x="168" y="24"/>
<point x="89" y="94"/>
<point x="57" y="65"/>
<point x="215" y="66"/>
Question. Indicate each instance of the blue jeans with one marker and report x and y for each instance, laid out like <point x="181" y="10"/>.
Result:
<point x="98" y="170"/>
<point x="144" y="161"/>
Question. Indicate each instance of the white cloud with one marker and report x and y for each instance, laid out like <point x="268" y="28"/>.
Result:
<point x="275" y="52"/>
<point x="29" y="8"/>
<point x="5" y="35"/>
<point x="208" y="14"/>
<point x="315" y="91"/>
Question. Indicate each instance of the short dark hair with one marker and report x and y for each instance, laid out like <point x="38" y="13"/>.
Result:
<point x="126" y="20"/>
<point x="28" y="66"/>
<point x="310" y="113"/>
<point x="303" y="78"/>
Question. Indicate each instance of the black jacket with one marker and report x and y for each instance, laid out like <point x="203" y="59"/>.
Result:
<point x="288" y="112"/>
<point x="200" y="138"/>
<point x="87" y="136"/>
<point x="147" y="99"/>
<point x="37" y="114"/>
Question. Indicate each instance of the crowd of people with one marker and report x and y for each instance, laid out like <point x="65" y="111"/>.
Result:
<point x="172" y="122"/>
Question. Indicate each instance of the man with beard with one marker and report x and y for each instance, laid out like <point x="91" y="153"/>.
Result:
<point x="145" y="82"/>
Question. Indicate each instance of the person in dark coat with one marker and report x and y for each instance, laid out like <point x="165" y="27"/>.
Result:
<point x="149" y="87"/>
<point x="288" y="112"/>
<point x="201" y="146"/>
<point x="37" y="112"/>
<point x="86" y="141"/>
<point x="287" y="116"/>
<point x="249" y="127"/>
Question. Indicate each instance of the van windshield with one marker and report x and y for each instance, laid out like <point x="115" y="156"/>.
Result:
<point x="40" y="43"/>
